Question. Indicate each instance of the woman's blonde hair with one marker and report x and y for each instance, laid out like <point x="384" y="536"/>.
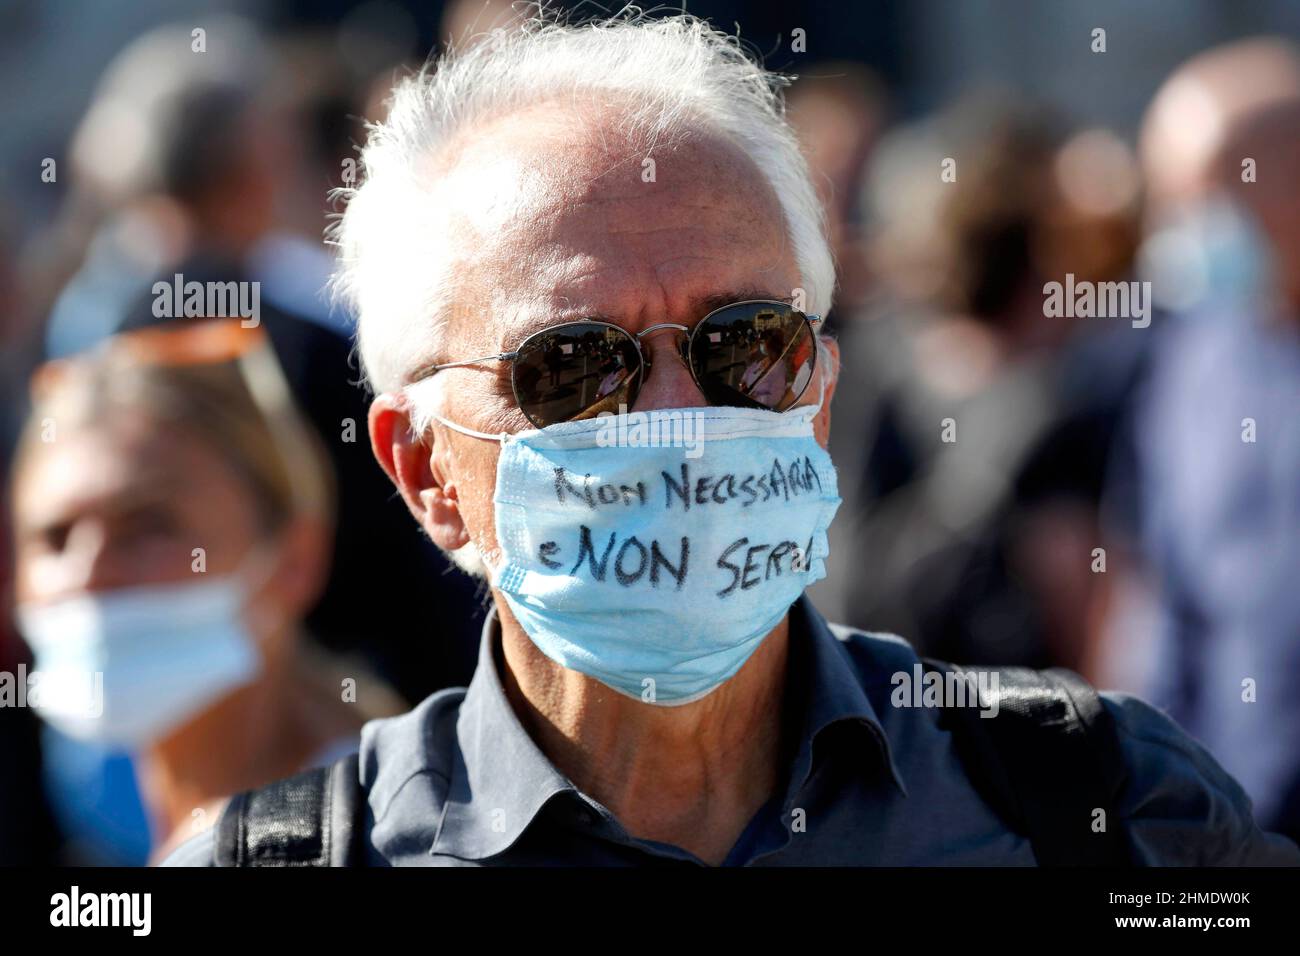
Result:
<point x="217" y="381"/>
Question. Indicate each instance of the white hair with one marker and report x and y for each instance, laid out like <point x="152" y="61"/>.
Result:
<point x="679" y="71"/>
<point x="669" y="76"/>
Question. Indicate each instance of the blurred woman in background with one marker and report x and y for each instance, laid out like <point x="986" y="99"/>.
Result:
<point x="974" y="434"/>
<point x="172" y="520"/>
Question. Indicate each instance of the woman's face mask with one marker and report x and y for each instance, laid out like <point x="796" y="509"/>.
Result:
<point x="125" y="667"/>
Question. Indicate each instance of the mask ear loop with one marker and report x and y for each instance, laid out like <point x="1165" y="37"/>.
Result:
<point x="493" y="571"/>
<point x="266" y="383"/>
<point x="255" y="571"/>
<point x="503" y="438"/>
<point x="822" y="370"/>
<point x="414" y="399"/>
<point x="487" y="436"/>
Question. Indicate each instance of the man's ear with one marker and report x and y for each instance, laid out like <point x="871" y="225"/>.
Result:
<point x="822" y="423"/>
<point x="414" y="465"/>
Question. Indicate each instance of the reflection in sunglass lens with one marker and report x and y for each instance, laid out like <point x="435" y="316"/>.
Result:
<point x="575" y="371"/>
<point x="757" y="355"/>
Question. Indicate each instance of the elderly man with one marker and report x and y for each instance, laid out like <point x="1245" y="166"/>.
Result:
<point x="565" y="222"/>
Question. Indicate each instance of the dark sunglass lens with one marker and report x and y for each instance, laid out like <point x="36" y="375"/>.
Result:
<point x="575" y="371"/>
<point x="757" y="355"/>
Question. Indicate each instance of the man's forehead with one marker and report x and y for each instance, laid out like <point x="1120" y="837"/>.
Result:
<point x="574" y="166"/>
<point x="568" y="219"/>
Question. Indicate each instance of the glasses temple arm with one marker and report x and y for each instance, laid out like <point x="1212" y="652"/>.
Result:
<point x="428" y="370"/>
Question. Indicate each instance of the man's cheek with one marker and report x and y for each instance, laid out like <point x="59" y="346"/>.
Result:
<point x="477" y="508"/>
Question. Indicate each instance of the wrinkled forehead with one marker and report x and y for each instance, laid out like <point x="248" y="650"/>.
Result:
<point x="569" y="212"/>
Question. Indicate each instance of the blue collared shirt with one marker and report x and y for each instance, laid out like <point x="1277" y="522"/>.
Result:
<point x="458" y="781"/>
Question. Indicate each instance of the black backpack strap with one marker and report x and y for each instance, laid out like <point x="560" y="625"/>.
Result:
<point x="313" y="819"/>
<point x="1046" y="763"/>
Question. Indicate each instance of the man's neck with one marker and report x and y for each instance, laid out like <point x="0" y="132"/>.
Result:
<point x="691" y="775"/>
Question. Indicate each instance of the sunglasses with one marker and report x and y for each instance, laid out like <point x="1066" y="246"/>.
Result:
<point x="752" y="354"/>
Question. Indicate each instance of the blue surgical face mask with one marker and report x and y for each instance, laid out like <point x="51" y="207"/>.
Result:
<point x="125" y="667"/>
<point x="654" y="552"/>
<point x="1211" y="258"/>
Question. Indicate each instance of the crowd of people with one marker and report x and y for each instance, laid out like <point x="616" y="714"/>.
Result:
<point x="1114" y="494"/>
<point x="1117" y="494"/>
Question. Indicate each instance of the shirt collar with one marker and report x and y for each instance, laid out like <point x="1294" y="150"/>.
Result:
<point x="501" y="780"/>
<point x="828" y="690"/>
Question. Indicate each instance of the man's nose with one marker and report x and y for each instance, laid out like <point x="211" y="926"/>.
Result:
<point x="669" y="384"/>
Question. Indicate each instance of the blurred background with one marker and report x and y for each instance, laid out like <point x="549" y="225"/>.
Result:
<point x="1022" y="484"/>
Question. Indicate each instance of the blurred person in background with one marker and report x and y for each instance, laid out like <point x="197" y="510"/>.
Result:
<point x="201" y="164"/>
<point x="972" y="426"/>
<point x="838" y="114"/>
<point x="28" y="835"/>
<point x="173" y="160"/>
<point x="171" y="515"/>
<point x="315" y="97"/>
<point x="1209" y="626"/>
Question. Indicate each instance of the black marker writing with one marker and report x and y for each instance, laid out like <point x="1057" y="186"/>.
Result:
<point x="604" y="494"/>
<point x="631" y="562"/>
<point x="745" y="575"/>
<point x="797" y="478"/>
